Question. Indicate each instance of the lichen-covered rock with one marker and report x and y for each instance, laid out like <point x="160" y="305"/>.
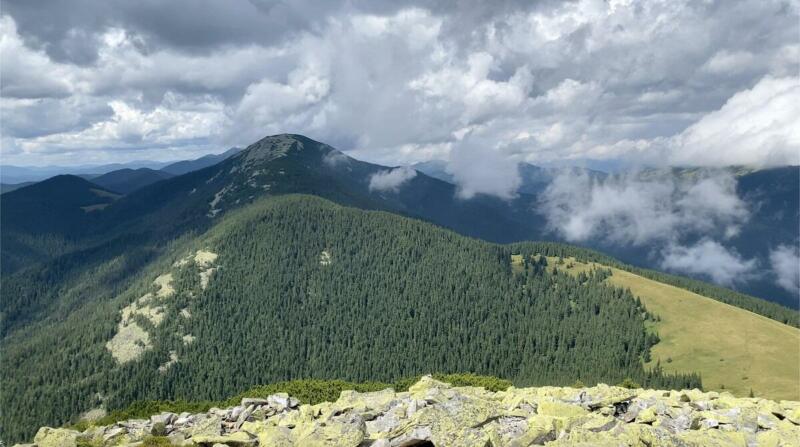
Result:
<point x="435" y="412"/>
<point x="56" y="437"/>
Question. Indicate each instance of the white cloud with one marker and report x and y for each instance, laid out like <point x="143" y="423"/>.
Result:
<point x="174" y="121"/>
<point x="470" y="88"/>
<point x="27" y="73"/>
<point x="726" y="62"/>
<point x="571" y="92"/>
<point x="709" y="258"/>
<point x="391" y="180"/>
<point x="755" y="127"/>
<point x="396" y="83"/>
<point x="631" y="210"/>
<point x="480" y="165"/>
<point x="785" y="261"/>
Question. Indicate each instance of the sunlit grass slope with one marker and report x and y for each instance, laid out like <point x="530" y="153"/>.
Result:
<point x="733" y="349"/>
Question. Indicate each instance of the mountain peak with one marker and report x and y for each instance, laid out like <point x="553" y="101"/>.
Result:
<point x="278" y="146"/>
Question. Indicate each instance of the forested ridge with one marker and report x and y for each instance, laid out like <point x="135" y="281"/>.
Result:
<point x="391" y="297"/>
<point x="756" y="305"/>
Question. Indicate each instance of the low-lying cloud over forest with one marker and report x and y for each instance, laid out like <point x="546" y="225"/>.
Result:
<point x="686" y="222"/>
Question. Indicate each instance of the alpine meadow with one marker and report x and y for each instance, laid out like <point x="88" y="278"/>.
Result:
<point x="385" y="224"/>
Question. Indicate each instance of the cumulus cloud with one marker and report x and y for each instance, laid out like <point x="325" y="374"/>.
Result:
<point x="391" y="180"/>
<point x="711" y="259"/>
<point x="637" y="209"/>
<point x="490" y="83"/>
<point x="757" y="127"/>
<point x="785" y="261"/>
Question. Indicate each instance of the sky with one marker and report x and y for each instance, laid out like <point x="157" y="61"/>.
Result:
<point x="475" y="83"/>
<point x="481" y="85"/>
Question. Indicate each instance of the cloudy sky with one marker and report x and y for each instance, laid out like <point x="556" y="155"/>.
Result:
<point x="659" y="82"/>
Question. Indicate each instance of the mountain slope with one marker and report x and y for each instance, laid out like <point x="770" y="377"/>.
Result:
<point x="46" y="218"/>
<point x="712" y="338"/>
<point x="283" y="164"/>
<point x="125" y="181"/>
<point x="8" y="187"/>
<point x="282" y="289"/>
<point x="186" y="166"/>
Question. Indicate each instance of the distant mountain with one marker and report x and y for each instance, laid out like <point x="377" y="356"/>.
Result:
<point x="44" y="219"/>
<point x="8" y="187"/>
<point x="125" y="181"/>
<point x="19" y="174"/>
<point x="435" y="169"/>
<point x="534" y="179"/>
<point x="186" y="166"/>
<point x="773" y="198"/>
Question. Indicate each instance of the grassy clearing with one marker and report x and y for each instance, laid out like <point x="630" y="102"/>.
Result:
<point x="733" y="349"/>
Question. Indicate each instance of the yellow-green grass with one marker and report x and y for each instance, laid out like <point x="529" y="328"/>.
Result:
<point x="733" y="349"/>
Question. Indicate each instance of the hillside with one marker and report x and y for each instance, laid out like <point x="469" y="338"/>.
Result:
<point x="125" y="181"/>
<point x="711" y="338"/>
<point x="8" y="187"/>
<point x="434" y="413"/>
<point x="280" y="290"/>
<point x="187" y="166"/>
<point x="45" y="218"/>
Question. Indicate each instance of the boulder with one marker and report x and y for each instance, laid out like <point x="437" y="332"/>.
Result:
<point x="56" y="437"/>
<point x="255" y="401"/>
<point x="436" y="412"/>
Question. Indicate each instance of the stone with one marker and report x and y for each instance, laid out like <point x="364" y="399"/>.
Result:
<point x="210" y="425"/>
<point x="247" y="401"/>
<point x="646" y="416"/>
<point x="436" y="412"/>
<point x="280" y="401"/>
<point x="113" y="432"/>
<point x="56" y="437"/>
<point x="234" y="413"/>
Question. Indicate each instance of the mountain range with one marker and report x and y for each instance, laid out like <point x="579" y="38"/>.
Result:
<point x="289" y="259"/>
<point x="128" y="176"/>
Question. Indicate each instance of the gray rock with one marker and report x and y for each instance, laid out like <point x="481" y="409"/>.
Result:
<point x="676" y="425"/>
<point x="165" y="418"/>
<point x="247" y="401"/>
<point x="280" y="401"/>
<point x="113" y="432"/>
<point x="422" y="433"/>
<point x="243" y="417"/>
<point x="234" y="413"/>
<point x="183" y="420"/>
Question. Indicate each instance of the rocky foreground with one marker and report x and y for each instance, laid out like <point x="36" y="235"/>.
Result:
<point x="435" y="413"/>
